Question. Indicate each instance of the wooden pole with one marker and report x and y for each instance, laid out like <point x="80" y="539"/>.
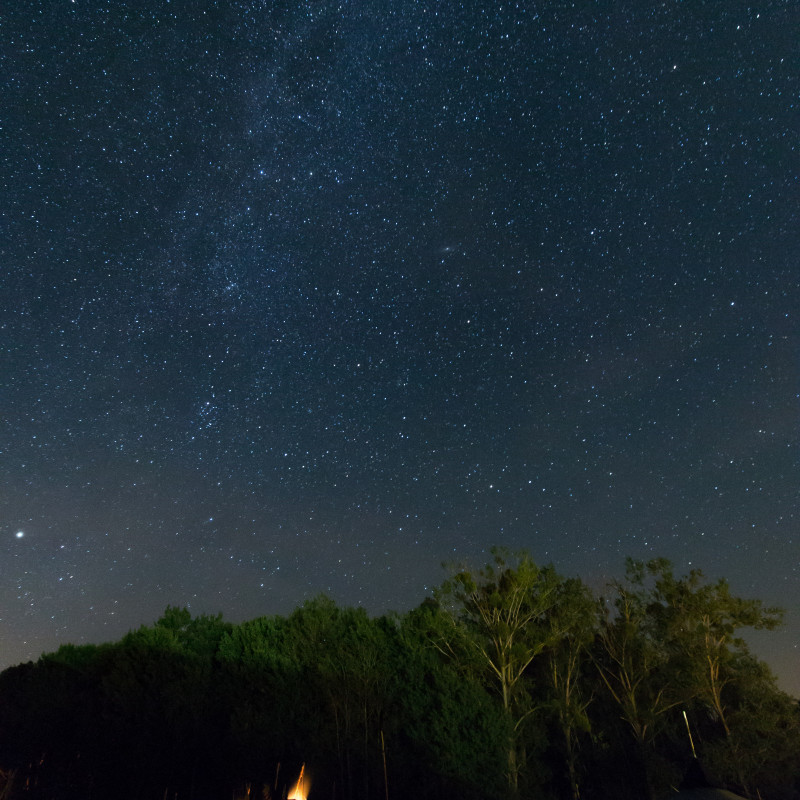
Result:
<point x="385" y="773"/>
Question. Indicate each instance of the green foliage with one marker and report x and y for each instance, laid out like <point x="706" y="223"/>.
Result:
<point x="673" y="642"/>
<point x="509" y="681"/>
<point x="452" y="722"/>
<point x="573" y="625"/>
<point x="175" y="619"/>
<point x="504" y="613"/>
<point x="761" y="752"/>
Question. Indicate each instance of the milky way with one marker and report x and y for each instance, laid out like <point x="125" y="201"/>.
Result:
<point x="312" y="297"/>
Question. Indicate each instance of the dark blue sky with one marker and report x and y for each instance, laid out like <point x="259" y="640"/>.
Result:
<point x="303" y="297"/>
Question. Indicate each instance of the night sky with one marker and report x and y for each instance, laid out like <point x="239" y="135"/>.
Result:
<point x="312" y="297"/>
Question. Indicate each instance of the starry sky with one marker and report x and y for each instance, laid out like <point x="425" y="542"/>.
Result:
<point x="314" y="296"/>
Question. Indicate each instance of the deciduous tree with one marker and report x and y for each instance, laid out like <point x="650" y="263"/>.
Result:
<point x="503" y="610"/>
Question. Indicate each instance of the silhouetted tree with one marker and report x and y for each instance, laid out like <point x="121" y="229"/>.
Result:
<point x="503" y="611"/>
<point x="573" y="625"/>
<point x="509" y="681"/>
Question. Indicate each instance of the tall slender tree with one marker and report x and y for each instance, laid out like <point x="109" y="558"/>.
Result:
<point x="633" y="661"/>
<point x="703" y="622"/>
<point x="573" y="625"/>
<point x="503" y="610"/>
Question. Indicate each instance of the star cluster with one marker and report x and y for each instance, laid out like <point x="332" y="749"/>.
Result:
<point x="313" y="296"/>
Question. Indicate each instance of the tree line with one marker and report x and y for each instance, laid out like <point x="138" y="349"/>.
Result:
<point x="510" y="681"/>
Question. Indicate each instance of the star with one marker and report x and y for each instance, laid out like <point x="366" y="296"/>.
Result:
<point x="347" y="273"/>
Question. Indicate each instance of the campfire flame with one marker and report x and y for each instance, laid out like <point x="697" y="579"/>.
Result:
<point x="300" y="789"/>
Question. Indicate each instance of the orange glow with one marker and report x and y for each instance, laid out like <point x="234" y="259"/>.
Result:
<point x="300" y="790"/>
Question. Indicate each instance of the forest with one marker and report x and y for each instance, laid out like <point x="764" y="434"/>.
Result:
<point x="510" y="681"/>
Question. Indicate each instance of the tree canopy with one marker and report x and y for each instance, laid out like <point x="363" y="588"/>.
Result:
<point x="511" y="680"/>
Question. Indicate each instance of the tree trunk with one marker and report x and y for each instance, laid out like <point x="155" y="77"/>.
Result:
<point x="644" y="765"/>
<point x="513" y="769"/>
<point x="571" y="766"/>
